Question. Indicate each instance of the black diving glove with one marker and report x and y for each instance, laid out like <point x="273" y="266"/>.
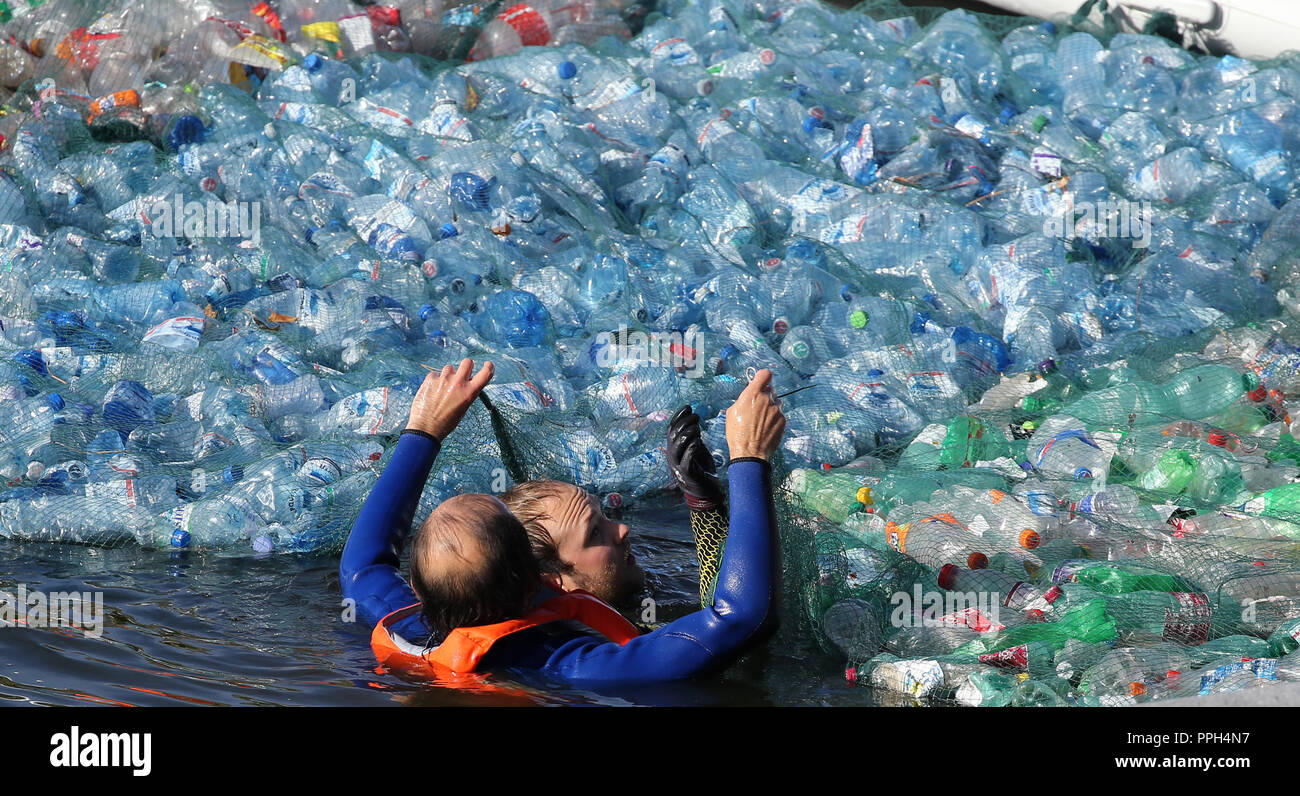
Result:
<point x="692" y="464"/>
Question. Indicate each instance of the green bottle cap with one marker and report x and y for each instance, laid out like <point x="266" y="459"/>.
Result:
<point x="859" y="319"/>
<point x="1040" y="121"/>
<point x="1251" y="379"/>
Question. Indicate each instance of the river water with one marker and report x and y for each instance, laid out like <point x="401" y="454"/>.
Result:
<point x="183" y="628"/>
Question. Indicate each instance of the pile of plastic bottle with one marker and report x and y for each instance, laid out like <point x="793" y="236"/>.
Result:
<point x="1039" y="287"/>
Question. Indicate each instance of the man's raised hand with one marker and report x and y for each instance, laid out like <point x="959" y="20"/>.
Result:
<point x="444" y="398"/>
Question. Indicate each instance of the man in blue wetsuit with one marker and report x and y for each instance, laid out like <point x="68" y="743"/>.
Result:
<point x="488" y="607"/>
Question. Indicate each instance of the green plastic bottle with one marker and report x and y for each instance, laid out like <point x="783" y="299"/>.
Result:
<point x="1174" y="470"/>
<point x="1282" y="502"/>
<point x="1286" y="448"/>
<point x="1194" y="394"/>
<point x="968" y="441"/>
<point x="987" y="689"/>
<point x="835" y="494"/>
<point x="1147" y="616"/>
<point x="1087" y="622"/>
<point x="1285" y="640"/>
<point x="894" y="488"/>
<point x="1118" y="577"/>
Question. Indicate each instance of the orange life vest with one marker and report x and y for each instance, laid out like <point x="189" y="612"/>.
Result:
<point x="464" y="647"/>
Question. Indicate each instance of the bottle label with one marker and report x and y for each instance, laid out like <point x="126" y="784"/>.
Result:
<point x="296" y="112"/>
<point x="462" y="16"/>
<point x="260" y="51"/>
<point x="715" y="129"/>
<point x="380" y="115"/>
<point x="1148" y="180"/>
<point x="1044" y="601"/>
<point x="325" y="31"/>
<point x="609" y="94"/>
<point x="1262" y="668"/>
<point x="446" y="122"/>
<point x="917" y="678"/>
<point x="848" y="230"/>
<point x="528" y="23"/>
<point x="676" y="51"/>
<point x="858" y="158"/>
<point x="179" y="333"/>
<point x="972" y="618"/>
<point x="1046" y="162"/>
<point x="360" y="406"/>
<point x="1190" y="624"/>
<point x="181" y="517"/>
<point x="819" y="196"/>
<point x="1066" y="569"/>
<point x="1011" y="658"/>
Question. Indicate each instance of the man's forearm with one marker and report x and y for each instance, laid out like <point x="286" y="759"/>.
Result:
<point x="372" y="555"/>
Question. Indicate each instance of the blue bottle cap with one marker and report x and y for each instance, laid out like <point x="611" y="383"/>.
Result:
<point x="425" y="311"/>
<point x="846" y="292"/>
<point x="1048" y="27"/>
<point x="447" y="230"/>
<point x="312" y="62"/>
<point x="1082" y="473"/>
<point x="931" y="298"/>
<point x="809" y="124"/>
<point x="55" y="401"/>
<point x="728" y="351"/>
<point x="232" y="474"/>
<point x="875" y="373"/>
<point x="457" y="286"/>
<point x="567" y="69"/>
<point x="187" y="130"/>
<point x="180" y="538"/>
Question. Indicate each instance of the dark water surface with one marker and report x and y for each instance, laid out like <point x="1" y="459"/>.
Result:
<point x="184" y="628"/>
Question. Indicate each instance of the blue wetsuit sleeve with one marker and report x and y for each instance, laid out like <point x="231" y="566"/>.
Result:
<point x="743" y="611"/>
<point x="370" y="570"/>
